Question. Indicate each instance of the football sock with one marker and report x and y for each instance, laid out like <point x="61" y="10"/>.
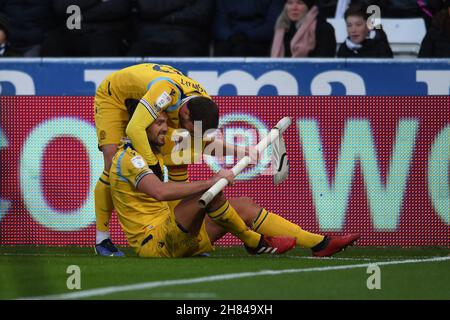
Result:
<point x="227" y="217"/>
<point x="101" y="235"/>
<point x="271" y="224"/>
<point x="103" y="205"/>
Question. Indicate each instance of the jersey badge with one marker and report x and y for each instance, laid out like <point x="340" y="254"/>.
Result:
<point x="163" y="100"/>
<point x="138" y="162"/>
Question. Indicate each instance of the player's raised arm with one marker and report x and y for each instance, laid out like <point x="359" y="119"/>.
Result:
<point x="167" y="191"/>
<point x="161" y="96"/>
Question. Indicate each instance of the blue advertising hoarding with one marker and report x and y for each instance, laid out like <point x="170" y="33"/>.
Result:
<point x="239" y="76"/>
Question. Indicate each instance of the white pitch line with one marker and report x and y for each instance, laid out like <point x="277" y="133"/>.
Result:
<point x="230" y="276"/>
<point x="330" y="258"/>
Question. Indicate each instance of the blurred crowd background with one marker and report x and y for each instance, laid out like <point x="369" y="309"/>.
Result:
<point x="213" y="28"/>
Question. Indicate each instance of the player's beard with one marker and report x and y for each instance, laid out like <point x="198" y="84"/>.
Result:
<point x="157" y="143"/>
<point x="161" y="139"/>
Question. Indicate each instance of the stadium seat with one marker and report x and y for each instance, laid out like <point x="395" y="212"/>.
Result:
<point x="340" y="29"/>
<point x="404" y="35"/>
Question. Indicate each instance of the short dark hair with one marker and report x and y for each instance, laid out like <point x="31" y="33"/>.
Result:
<point x="358" y="10"/>
<point x="205" y="110"/>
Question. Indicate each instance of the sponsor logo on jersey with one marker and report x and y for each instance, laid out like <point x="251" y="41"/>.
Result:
<point x="138" y="162"/>
<point x="163" y="100"/>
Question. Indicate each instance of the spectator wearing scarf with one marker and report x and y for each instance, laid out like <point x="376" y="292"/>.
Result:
<point x="300" y="31"/>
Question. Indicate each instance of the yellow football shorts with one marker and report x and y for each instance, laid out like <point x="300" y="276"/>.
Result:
<point x="111" y="117"/>
<point x="168" y="240"/>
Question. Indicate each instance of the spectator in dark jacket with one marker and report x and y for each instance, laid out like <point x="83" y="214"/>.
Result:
<point x="363" y="42"/>
<point x="104" y="28"/>
<point x="436" y="43"/>
<point x="301" y="32"/>
<point x="244" y="28"/>
<point x="5" y="49"/>
<point x="176" y="28"/>
<point x="29" y="22"/>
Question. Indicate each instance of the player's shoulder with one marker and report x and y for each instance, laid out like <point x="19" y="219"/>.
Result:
<point x="127" y="156"/>
<point x="133" y="159"/>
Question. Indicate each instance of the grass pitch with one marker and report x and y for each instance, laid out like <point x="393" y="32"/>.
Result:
<point x="229" y="273"/>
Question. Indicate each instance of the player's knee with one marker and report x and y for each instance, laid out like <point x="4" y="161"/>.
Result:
<point x="216" y="202"/>
<point x="108" y="153"/>
<point x="239" y="204"/>
<point x="220" y="197"/>
<point x="246" y="208"/>
<point x="246" y="202"/>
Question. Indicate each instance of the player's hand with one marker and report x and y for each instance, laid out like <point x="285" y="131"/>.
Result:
<point x="226" y="174"/>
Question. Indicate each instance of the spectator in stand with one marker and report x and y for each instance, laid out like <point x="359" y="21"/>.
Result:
<point x="244" y="28"/>
<point x="105" y="25"/>
<point x="5" y="49"/>
<point x="29" y="20"/>
<point x="300" y="31"/>
<point x="176" y="28"/>
<point x="362" y="41"/>
<point x="436" y="43"/>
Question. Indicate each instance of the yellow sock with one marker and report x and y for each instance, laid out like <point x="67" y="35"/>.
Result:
<point x="227" y="217"/>
<point x="271" y="224"/>
<point x="103" y="202"/>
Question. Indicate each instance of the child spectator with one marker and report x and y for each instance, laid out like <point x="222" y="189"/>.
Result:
<point x="363" y="42"/>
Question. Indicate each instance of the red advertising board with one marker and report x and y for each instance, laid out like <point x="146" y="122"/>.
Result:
<point x="374" y="165"/>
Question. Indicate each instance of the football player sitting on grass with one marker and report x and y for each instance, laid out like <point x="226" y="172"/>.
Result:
<point x="163" y="219"/>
